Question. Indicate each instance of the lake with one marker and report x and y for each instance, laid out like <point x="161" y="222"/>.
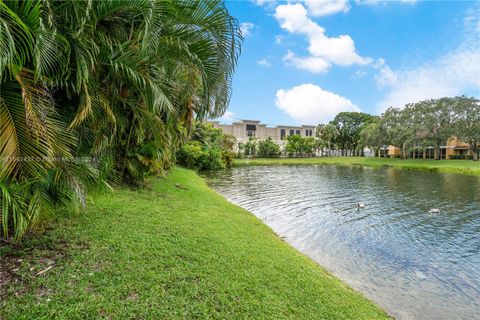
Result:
<point x="415" y="264"/>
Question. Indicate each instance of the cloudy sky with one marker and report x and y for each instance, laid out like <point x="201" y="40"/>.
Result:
<point x="304" y="61"/>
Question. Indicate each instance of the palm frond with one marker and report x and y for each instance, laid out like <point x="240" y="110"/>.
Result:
<point x="16" y="39"/>
<point x="12" y="209"/>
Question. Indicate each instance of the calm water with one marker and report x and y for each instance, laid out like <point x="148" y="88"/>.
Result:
<point x="415" y="264"/>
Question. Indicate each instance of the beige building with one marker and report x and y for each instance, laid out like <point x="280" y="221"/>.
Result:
<point x="454" y="147"/>
<point x="244" y="129"/>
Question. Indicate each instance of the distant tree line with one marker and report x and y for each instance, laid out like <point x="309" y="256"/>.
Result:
<point x="428" y="123"/>
<point x="424" y="124"/>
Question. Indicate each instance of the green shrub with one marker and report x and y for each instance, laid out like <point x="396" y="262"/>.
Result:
<point x="300" y="146"/>
<point x="208" y="149"/>
<point x="201" y="157"/>
<point x="240" y="151"/>
<point x="292" y="147"/>
<point x="456" y="157"/>
<point x="227" y="158"/>
<point x="189" y="154"/>
<point x="250" y="147"/>
<point x="227" y="145"/>
<point x="268" y="149"/>
<point x="460" y="157"/>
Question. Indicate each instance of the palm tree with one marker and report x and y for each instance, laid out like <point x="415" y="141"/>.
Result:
<point x="117" y="80"/>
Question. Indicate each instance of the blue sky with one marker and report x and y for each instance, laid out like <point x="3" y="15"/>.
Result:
<point x="302" y="62"/>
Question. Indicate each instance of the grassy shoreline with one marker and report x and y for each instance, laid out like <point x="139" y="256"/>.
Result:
<point x="170" y="251"/>
<point x="446" y="166"/>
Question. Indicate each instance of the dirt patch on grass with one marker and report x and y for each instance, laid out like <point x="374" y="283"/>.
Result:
<point x="9" y="273"/>
<point x="19" y="263"/>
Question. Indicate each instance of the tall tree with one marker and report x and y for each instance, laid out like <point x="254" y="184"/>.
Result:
<point x="327" y="135"/>
<point x="399" y="127"/>
<point x="434" y="121"/>
<point x="467" y="126"/>
<point x="373" y="135"/>
<point x="349" y="125"/>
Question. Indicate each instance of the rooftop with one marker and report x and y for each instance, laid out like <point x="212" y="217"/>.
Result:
<point x="242" y="121"/>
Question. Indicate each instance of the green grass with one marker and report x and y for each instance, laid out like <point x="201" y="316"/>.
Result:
<point x="448" y="166"/>
<point x="168" y="253"/>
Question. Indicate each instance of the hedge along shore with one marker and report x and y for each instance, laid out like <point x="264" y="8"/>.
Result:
<point x="467" y="167"/>
<point x="175" y="250"/>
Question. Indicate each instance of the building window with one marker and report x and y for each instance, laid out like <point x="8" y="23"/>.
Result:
<point x="283" y="133"/>
<point x="297" y="132"/>
<point x="308" y="132"/>
<point x="383" y="152"/>
<point x="443" y="153"/>
<point x="430" y="153"/>
<point x="292" y="132"/>
<point x="251" y="128"/>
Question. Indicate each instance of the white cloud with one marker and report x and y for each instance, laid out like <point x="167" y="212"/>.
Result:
<point x="264" y="63"/>
<point x="323" y="49"/>
<point x="382" y="2"/>
<point x="312" y="64"/>
<point x="385" y="76"/>
<point x="268" y="4"/>
<point x="227" y="117"/>
<point x="359" y="74"/>
<point x="263" y="2"/>
<point x="472" y="23"/>
<point x="245" y="28"/>
<point x="310" y="104"/>
<point x="279" y="38"/>
<point x="321" y="8"/>
<point x="451" y="75"/>
<point x="455" y="73"/>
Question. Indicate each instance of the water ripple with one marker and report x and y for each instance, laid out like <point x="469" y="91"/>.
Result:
<point x="416" y="264"/>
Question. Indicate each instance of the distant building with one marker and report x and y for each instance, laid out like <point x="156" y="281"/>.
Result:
<point x="454" y="147"/>
<point x="244" y="129"/>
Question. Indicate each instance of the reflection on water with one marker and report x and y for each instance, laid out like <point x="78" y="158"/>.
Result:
<point x="415" y="264"/>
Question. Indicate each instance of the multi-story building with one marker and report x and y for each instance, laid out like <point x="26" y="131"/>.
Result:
<point x="244" y="129"/>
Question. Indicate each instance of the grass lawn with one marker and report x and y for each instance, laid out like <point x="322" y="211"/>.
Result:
<point x="166" y="252"/>
<point x="452" y="166"/>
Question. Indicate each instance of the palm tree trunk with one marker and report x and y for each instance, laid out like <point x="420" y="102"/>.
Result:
<point x="126" y="150"/>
